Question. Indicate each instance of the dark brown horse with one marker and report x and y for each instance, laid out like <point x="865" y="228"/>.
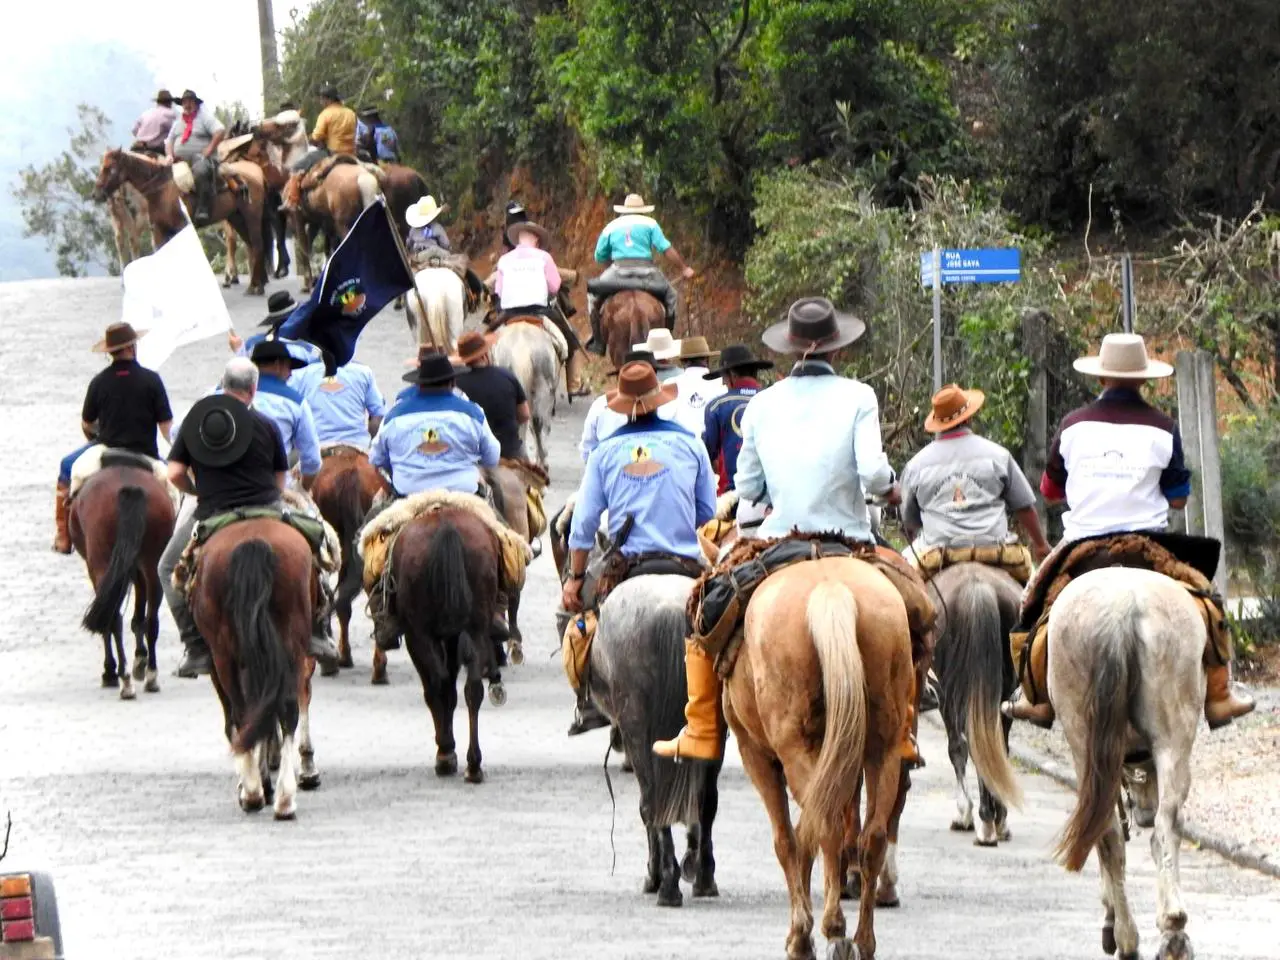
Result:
<point x="165" y="202"/>
<point x="252" y="601"/>
<point x="120" y="522"/>
<point x="447" y="569"/>
<point x="344" y="490"/>
<point x="275" y="220"/>
<point x="626" y="318"/>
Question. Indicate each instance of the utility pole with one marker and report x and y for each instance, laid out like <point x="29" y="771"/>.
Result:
<point x="272" y="85"/>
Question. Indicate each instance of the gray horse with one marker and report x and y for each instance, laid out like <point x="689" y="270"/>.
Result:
<point x="529" y="352"/>
<point x="638" y="681"/>
<point x="977" y="605"/>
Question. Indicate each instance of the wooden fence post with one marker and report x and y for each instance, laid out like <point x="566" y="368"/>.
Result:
<point x="1198" y="420"/>
<point x="1035" y="446"/>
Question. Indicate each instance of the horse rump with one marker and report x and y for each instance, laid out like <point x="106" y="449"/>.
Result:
<point x="131" y="529"/>
<point x="447" y="582"/>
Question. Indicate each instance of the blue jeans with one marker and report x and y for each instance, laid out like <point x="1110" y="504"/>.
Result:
<point x="64" y="469"/>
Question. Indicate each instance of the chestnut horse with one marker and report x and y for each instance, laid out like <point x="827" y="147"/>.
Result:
<point x="344" y="490"/>
<point x="275" y="224"/>
<point x="447" y="569"/>
<point x="819" y="696"/>
<point x="120" y="522"/>
<point x="626" y="318"/>
<point x="255" y="587"/>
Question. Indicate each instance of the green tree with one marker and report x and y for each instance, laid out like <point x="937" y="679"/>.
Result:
<point x="337" y="42"/>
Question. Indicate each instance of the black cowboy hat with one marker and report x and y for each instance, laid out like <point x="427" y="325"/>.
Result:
<point x="218" y="430"/>
<point x="737" y="358"/>
<point x="813" y="326"/>
<point x="279" y="306"/>
<point x="433" y="370"/>
<point x="369" y="111"/>
<point x="636" y="356"/>
<point x="515" y="206"/>
<point x="329" y="92"/>
<point x="189" y="94"/>
<point x="269" y="351"/>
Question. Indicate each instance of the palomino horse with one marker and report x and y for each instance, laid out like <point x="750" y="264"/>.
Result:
<point x="445" y="299"/>
<point x="344" y="490"/>
<point x="977" y="609"/>
<point x="819" y="695"/>
<point x="165" y="202"/>
<point x="120" y="522"/>
<point x="447" y="569"/>
<point x="626" y="318"/>
<point x="638" y="680"/>
<point x="1126" y="678"/>
<point x="527" y="350"/>
<point x="330" y="210"/>
<point x="252" y="602"/>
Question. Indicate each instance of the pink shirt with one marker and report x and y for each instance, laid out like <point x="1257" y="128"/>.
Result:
<point x="154" y="125"/>
<point x="526" y="277"/>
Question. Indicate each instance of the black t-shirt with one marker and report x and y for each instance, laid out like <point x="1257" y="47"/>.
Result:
<point x="497" y="392"/>
<point x="128" y="401"/>
<point x="249" y="482"/>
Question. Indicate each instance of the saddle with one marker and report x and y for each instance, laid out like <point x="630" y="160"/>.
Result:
<point x="223" y="176"/>
<point x="535" y="481"/>
<point x="97" y="457"/>
<point x="1013" y="558"/>
<point x="342" y="450"/>
<point x="651" y="281"/>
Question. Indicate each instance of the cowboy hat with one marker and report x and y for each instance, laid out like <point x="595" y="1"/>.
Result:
<point x="189" y="94"/>
<point x="737" y="358"/>
<point x="329" y="92"/>
<point x="638" y="391"/>
<point x="634" y="204"/>
<point x="661" y="344"/>
<point x="117" y="337"/>
<point x="528" y="226"/>
<point x="696" y="348"/>
<point x="433" y="370"/>
<point x="474" y="346"/>
<point x="164" y="98"/>
<point x="1123" y="357"/>
<point x="423" y="212"/>
<point x="813" y="326"/>
<point x="308" y="353"/>
<point x="218" y="430"/>
<point x="952" y="406"/>
<point x="279" y="306"/>
<point x="635" y="356"/>
<point x="271" y="351"/>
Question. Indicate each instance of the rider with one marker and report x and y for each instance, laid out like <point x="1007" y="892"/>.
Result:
<point x="376" y="141"/>
<point x="651" y="474"/>
<point x="515" y="213"/>
<point x="151" y="130"/>
<point x="627" y="245"/>
<point x="335" y="129"/>
<point x="1117" y="463"/>
<point x="496" y="391"/>
<point x="124" y="406"/>
<point x="425" y="235"/>
<point x="722" y="421"/>
<point x="194" y="138"/>
<point x="286" y="407"/>
<point x="695" y="388"/>
<point x="347" y="408"/>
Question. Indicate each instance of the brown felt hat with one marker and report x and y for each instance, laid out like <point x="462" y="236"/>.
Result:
<point x="696" y="348"/>
<point x="117" y="337"/>
<point x="474" y="346"/>
<point x="953" y="406"/>
<point x="639" y="391"/>
<point x="528" y="226"/>
<point x="813" y="326"/>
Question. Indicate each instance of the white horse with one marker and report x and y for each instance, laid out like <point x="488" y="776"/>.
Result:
<point x="534" y="357"/>
<point x="445" y="300"/>
<point x="1126" y="679"/>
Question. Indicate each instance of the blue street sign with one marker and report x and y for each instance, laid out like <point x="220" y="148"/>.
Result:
<point x="974" y="266"/>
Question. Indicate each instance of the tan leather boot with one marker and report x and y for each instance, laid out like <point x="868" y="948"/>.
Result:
<point x="573" y="375"/>
<point x="700" y="738"/>
<point x="1020" y="708"/>
<point x="61" y="508"/>
<point x="1221" y="704"/>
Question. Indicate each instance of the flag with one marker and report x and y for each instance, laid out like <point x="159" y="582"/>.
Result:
<point x="174" y="296"/>
<point x="363" y="275"/>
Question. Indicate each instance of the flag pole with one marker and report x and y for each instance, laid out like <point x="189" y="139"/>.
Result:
<point x="404" y="258"/>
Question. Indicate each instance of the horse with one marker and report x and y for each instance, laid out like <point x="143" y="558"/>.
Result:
<point x="444" y="299"/>
<point x="275" y="225"/>
<point x="977" y="609"/>
<point x="286" y="144"/>
<point x="447" y="569"/>
<point x="819" y="695"/>
<point x="1126" y="677"/>
<point x="528" y="351"/>
<point x="252" y="601"/>
<point x="120" y="522"/>
<point x="127" y="209"/>
<point x="638" y="681"/>
<point x="626" y="318"/>
<point x="343" y="491"/>
<point x="510" y="502"/>
<point x="166" y="204"/>
<point x="331" y="209"/>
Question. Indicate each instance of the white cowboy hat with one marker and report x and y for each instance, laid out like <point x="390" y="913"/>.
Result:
<point x="634" y="204"/>
<point x="423" y="212"/>
<point x="1123" y="357"/>
<point x="661" y="344"/>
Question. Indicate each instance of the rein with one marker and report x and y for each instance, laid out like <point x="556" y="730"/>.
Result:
<point x="131" y="163"/>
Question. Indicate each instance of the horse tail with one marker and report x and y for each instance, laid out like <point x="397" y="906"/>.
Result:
<point x="369" y="189"/>
<point x="677" y="787"/>
<point x="971" y="689"/>
<point x="268" y="673"/>
<point x="435" y="325"/>
<point x="131" y="528"/>
<point x="831" y="615"/>
<point x="1115" y="682"/>
<point x="347" y="500"/>
<point x="638" y="328"/>
<point x="447" y="583"/>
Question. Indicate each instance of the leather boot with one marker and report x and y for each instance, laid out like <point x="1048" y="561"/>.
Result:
<point x="1221" y="703"/>
<point x="1020" y="708"/>
<point x="196" y="659"/>
<point x="61" y="508"/>
<point x="910" y="749"/>
<point x="596" y="344"/>
<point x="700" y="738"/>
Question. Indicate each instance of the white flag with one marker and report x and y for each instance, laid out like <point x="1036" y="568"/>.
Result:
<point x="175" y="297"/>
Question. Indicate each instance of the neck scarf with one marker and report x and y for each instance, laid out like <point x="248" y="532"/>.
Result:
<point x="188" y="121"/>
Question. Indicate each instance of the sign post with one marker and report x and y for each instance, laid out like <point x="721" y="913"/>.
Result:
<point x="937" y="319"/>
<point x="963" y="266"/>
<point x="1126" y="283"/>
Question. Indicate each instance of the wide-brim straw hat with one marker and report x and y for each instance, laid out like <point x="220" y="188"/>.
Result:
<point x="474" y="346"/>
<point x="639" y="391"/>
<point x="218" y="430"/>
<point x="696" y="348"/>
<point x="813" y="326"/>
<point x="737" y="358"/>
<point x="661" y="344"/>
<point x="117" y="337"/>
<point x="1123" y="357"/>
<point x="634" y="204"/>
<point x="528" y="226"/>
<point x="953" y="406"/>
<point x="423" y="212"/>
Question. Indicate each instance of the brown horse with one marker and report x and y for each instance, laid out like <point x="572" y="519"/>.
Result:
<point x="274" y="219"/>
<point x="447" y="569"/>
<point x="818" y="696"/>
<point x="511" y="503"/>
<point x="128" y="212"/>
<point x="344" y="490"/>
<point x="165" y="202"/>
<point x="626" y="318"/>
<point x="254" y="590"/>
<point x="120" y="522"/>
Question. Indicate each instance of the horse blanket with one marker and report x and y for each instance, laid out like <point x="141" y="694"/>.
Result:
<point x="98" y="456"/>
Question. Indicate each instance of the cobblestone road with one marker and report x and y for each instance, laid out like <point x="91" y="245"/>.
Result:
<point x="131" y="805"/>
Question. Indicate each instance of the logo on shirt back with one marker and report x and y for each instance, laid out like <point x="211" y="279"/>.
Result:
<point x="349" y="298"/>
<point x="735" y="419"/>
<point x="431" y="443"/>
<point x="332" y="385"/>
<point x="642" y="464"/>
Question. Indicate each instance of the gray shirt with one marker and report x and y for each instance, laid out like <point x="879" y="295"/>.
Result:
<point x="203" y="129"/>
<point x="957" y="489"/>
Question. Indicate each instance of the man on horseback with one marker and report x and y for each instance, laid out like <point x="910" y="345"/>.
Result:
<point x="627" y="245"/>
<point x="123" y="408"/>
<point x="496" y="391"/>
<point x="654" y="479"/>
<point x="722" y="421"/>
<point x="151" y="130"/>
<point x="286" y="407"/>
<point x="376" y="141"/>
<point x="194" y="139"/>
<point x="335" y="129"/>
<point x="346" y="408"/>
<point x="1117" y="463"/>
<point x="694" y="388"/>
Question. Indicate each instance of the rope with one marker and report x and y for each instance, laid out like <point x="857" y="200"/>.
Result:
<point x="613" y="801"/>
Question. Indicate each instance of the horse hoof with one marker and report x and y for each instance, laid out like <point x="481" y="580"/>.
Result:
<point x="1109" y="941"/>
<point x="842" y="949"/>
<point x="473" y="775"/>
<point x="985" y="842"/>
<point x="1176" y="946"/>
<point x="127" y="692"/>
<point x="379" y="678"/>
<point x="497" y="694"/>
<point x="346" y="662"/>
<point x="689" y="866"/>
<point x="287" y="811"/>
<point x="887" y="897"/>
<point x="446" y="764"/>
<point x="140" y="670"/>
<point x="651" y="885"/>
<point x="328" y="668"/>
<point x="309" y="781"/>
<point x="1004" y="834"/>
<point x="852" y="888"/>
<point x="152" y="683"/>
<point x="516" y="654"/>
<point x="282" y="273"/>
<point x="672" y="898"/>
<point x="251" y="804"/>
<point x="961" y="826"/>
<point x="705" y="890"/>
<point x="110" y="680"/>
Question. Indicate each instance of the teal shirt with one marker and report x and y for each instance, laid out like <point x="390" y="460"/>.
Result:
<point x="631" y="237"/>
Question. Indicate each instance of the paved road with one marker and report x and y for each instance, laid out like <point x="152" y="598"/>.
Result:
<point x="132" y="805"/>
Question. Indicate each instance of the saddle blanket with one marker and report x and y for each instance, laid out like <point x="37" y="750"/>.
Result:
<point x="90" y="462"/>
<point x="185" y="180"/>
<point x="557" y="338"/>
<point x="1013" y="558"/>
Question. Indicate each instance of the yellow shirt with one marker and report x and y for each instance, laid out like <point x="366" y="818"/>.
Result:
<point x="336" y="126"/>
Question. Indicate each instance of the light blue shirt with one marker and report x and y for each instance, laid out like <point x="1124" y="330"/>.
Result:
<point x="434" y="441"/>
<point x="341" y="405"/>
<point x="658" y="473"/>
<point x="289" y="411"/>
<point x="811" y="447"/>
<point x="631" y="237"/>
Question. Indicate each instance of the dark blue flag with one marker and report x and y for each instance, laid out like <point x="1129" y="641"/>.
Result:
<point x="362" y="276"/>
